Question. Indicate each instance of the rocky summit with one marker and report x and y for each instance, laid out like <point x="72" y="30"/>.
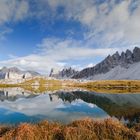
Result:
<point x="15" y="73"/>
<point x="118" y="66"/>
<point x="63" y="74"/>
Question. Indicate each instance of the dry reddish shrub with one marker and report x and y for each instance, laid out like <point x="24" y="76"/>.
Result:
<point x="107" y="129"/>
<point x="49" y="131"/>
<point x="23" y="131"/>
<point x="4" y="129"/>
<point x="136" y="127"/>
<point x="86" y="129"/>
<point x="75" y="133"/>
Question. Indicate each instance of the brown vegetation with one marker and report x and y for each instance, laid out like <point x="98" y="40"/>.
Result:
<point x="136" y="127"/>
<point x="86" y="129"/>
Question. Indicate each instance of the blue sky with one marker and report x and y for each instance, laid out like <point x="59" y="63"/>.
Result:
<point x="44" y="34"/>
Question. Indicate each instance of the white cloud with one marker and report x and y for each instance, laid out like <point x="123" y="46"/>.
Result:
<point x="59" y="49"/>
<point x="109" y="26"/>
<point x="132" y="29"/>
<point x="83" y="11"/>
<point x="4" y="31"/>
<point x="118" y="26"/>
<point x="54" y="53"/>
<point x="116" y="22"/>
<point x="88" y="16"/>
<point x="5" y="9"/>
<point x="21" y="11"/>
<point x="107" y="20"/>
<point x="13" y="10"/>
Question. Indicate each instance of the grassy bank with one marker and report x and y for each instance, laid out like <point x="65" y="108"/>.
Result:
<point x="39" y="85"/>
<point x="105" y="86"/>
<point x="109" y="84"/>
<point x="112" y="86"/>
<point x="86" y="129"/>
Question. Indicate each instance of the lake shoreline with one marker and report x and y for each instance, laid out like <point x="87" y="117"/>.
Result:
<point x="101" y="86"/>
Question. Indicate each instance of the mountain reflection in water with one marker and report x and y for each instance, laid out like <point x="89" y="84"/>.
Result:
<point x="18" y="106"/>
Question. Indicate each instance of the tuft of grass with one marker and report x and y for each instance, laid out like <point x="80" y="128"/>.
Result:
<point x="4" y="129"/>
<point x="136" y="127"/>
<point x="86" y="129"/>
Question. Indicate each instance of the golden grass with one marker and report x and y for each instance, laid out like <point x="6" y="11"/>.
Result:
<point x="86" y="129"/>
<point x="101" y="86"/>
<point x="113" y="83"/>
<point x="8" y="85"/>
<point x="42" y="85"/>
<point x="111" y="86"/>
<point x="46" y="85"/>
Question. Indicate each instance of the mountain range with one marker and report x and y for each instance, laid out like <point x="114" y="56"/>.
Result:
<point x="117" y="66"/>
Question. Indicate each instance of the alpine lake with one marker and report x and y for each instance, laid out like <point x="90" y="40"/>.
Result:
<point x="18" y="105"/>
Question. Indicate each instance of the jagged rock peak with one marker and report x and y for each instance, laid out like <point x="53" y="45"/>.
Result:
<point x="64" y="73"/>
<point x="111" y="61"/>
<point x="116" y="55"/>
<point x="68" y="72"/>
<point x="136" y="54"/>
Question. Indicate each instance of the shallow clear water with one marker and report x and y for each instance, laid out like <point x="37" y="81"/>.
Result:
<point x="18" y="106"/>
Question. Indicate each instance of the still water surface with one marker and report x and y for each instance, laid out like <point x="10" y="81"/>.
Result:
<point x="18" y="106"/>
